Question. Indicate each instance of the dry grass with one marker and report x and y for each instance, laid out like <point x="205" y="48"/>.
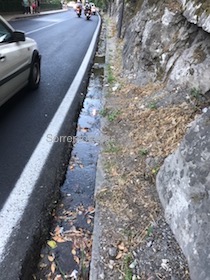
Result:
<point x="141" y="133"/>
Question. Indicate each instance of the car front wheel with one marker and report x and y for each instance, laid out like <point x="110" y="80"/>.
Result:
<point x="35" y="74"/>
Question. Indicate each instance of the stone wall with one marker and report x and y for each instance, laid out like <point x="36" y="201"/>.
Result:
<point x="161" y="45"/>
<point x="168" y="42"/>
<point x="197" y="12"/>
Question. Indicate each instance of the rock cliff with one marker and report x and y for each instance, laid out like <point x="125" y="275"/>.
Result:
<point x="168" y="42"/>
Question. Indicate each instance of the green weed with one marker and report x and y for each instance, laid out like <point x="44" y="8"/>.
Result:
<point x="112" y="148"/>
<point x="127" y="270"/>
<point x="149" y="231"/>
<point x="110" y="77"/>
<point x="143" y="152"/>
<point x="104" y="112"/>
<point x="153" y="106"/>
<point x="113" y="115"/>
<point x="195" y="93"/>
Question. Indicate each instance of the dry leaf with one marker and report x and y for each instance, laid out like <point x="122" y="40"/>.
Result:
<point x="71" y="167"/>
<point x="76" y="259"/>
<point x="121" y="246"/>
<point x="57" y="230"/>
<point x="58" y="277"/>
<point x="51" y="258"/>
<point x="53" y="267"/>
<point x="84" y="129"/>
<point x="43" y="265"/>
<point x="49" y="276"/>
<point x="58" y="239"/>
<point x="73" y="251"/>
<point x="91" y="209"/>
<point x="119" y="255"/>
<point x="88" y="221"/>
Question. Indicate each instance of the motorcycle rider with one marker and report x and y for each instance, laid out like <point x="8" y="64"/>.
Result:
<point x="87" y="7"/>
<point x="79" y="6"/>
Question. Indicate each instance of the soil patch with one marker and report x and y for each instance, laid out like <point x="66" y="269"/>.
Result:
<point x="137" y="135"/>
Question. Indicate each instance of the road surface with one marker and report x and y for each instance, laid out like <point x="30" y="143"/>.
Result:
<point x="30" y="165"/>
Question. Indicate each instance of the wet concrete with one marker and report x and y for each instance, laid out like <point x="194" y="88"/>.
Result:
<point x="74" y="217"/>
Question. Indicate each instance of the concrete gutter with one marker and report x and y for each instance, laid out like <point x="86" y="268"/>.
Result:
<point x="96" y="270"/>
<point x="25" y="216"/>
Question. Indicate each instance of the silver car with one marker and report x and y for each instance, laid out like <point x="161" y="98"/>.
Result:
<point x="19" y="61"/>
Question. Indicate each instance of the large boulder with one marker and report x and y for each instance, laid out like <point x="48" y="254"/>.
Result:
<point x="183" y="184"/>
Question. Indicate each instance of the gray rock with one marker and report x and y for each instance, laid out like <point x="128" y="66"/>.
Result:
<point x="183" y="184"/>
<point x="161" y="45"/>
<point x="112" y="252"/>
<point x="197" y="12"/>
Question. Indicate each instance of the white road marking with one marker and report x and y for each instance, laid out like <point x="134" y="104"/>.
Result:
<point x="41" y="28"/>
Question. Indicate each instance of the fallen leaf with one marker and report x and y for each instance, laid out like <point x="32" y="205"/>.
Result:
<point x="91" y="209"/>
<point x="53" y="267"/>
<point x="58" y="239"/>
<point x="52" y="244"/>
<point x="49" y="276"/>
<point x="51" y="258"/>
<point x="121" y="246"/>
<point x="73" y="251"/>
<point x="88" y="221"/>
<point x="119" y="255"/>
<point x="58" y="277"/>
<point x="57" y="230"/>
<point x="76" y="259"/>
<point x="43" y="265"/>
<point x="84" y="129"/>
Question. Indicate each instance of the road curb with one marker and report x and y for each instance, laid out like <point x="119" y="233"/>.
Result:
<point x="21" y="16"/>
<point x="96" y="270"/>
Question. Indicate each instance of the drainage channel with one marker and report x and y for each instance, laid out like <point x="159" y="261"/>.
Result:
<point x="67" y="254"/>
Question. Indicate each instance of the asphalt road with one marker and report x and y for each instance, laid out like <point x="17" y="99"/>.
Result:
<point x="63" y="40"/>
<point x="31" y="167"/>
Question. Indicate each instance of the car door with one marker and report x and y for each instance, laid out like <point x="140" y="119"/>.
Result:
<point x="14" y="63"/>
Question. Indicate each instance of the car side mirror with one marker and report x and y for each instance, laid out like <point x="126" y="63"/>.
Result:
<point x="18" y="36"/>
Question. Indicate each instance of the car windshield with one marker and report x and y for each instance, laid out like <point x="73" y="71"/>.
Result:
<point x="4" y="33"/>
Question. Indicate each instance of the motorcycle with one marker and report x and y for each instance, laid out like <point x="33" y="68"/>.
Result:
<point x="88" y="14"/>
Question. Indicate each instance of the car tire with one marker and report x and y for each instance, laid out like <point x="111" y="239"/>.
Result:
<point x="35" y="74"/>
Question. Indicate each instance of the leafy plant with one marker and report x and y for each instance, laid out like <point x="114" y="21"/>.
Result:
<point x="153" y="105"/>
<point x="149" y="231"/>
<point x="113" y="115"/>
<point x="127" y="270"/>
<point x="110" y="77"/>
<point x="104" y="112"/>
<point x="195" y="93"/>
<point x="155" y="170"/>
<point x="143" y="152"/>
<point x="112" y="148"/>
